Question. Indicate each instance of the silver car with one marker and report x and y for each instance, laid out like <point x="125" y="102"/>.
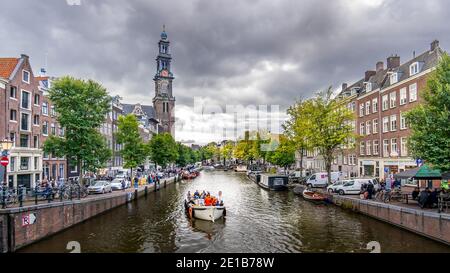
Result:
<point x="100" y="187"/>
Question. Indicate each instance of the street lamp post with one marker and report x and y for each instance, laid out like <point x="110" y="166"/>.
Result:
<point x="6" y="146"/>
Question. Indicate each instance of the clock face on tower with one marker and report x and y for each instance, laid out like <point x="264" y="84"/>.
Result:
<point x="164" y="73"/>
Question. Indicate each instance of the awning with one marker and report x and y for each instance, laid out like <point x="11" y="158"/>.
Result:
<point x="423" y="172"/>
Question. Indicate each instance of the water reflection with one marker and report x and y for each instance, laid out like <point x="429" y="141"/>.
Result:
<point x="257" y="221"/>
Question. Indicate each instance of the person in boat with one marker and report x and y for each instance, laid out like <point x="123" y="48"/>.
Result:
<point x="189" y="196"/>
<point x="220" y="199"/>
<point x="208" y="200"/>
<point x="203" y="195"/>
<point x="196" y="194"/>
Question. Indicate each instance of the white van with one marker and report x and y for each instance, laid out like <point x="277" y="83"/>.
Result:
<point x="320" y="180"/>
<point x="352" y="186"/>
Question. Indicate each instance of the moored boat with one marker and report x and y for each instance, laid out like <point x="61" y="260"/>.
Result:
<point x="274" y="182"/>
<point x="313" y="196"/>
<point x="241" y="168"/>
<point x="207" y="213"/>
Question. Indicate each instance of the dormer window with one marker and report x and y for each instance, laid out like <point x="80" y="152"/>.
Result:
<point x="368" y="87"/>
<point x="414" y="69"/>
<point x="394" y="78"/>
<point x="25" y="76"/>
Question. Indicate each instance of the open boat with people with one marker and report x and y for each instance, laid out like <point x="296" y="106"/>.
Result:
<point x="313" y="196"/>
<point x="204" y="207"/>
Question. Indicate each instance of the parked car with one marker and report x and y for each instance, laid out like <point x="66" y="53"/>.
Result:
<point x="353" y="186"/>
<point x="100" y="187"/>
<point x="116" y="184"/>
<point x="320" y="180"/>
<point x="336" y="185"/>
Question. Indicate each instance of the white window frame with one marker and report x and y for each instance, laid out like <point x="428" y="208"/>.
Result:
<point x="403" y="96"/>
<point x="393" y="123"/>
<point x="362" y="147"/>
<point x="385" y="147"/>
<point x="404" y="146"/>
<point x="45" y="123"/>
<point x="375" y="105"/>
<point x="362" y="128"/>
<point x="376" y="147"/>
<point x="29" y="99"/>
<point x="46" y="107"/>
<point x="385" y="102"/>
<point x="368" y="147"/>
<point x="375" y="126"/>
<point x="368" y="107"/>
<point x="413" y="92"/>
<point x="23" y="74"/>
<point x="414" y="69"/>
<point x="368" y="127"/>
<point x="393" y="99"/>
<point x="368" y="87"/>
<point x="394" y="144"/>
<point x="385" y="122"/>
<point x="393" y="79"/>
<point x="13" y="120"/>
<point x="403" y="122"/>
<point x="29" y="122"/>
<point x="361" y="110"/>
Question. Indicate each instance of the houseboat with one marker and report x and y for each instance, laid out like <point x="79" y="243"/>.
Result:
<point x="274" y="182"/>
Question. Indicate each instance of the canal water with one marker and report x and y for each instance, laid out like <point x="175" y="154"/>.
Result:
<point x="257" y="221"/>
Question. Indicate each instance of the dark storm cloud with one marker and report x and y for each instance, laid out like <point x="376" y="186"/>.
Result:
<point x="228" y="51"/>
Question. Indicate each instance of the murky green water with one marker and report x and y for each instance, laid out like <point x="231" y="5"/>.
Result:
<point x="257" y="221"/>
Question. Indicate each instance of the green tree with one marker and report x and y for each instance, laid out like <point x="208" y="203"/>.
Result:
<point x="163" y="149"/>
<point x="284" y="154"/>
<point x="134" y="150"/>
<point x="430" y="121"/>
<point x="227" y="151"/>
<point x="327" y="125"/>
<point x="184" y="155"/>
<point x="81" y="109"/>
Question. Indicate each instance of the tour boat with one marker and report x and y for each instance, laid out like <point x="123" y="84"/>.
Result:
<point x="274" y="182"/>
<point x="313" y="196"/>
<point x="207" y="213"/>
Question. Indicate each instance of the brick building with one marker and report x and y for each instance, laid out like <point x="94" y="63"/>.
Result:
<point x="23" y="120"/>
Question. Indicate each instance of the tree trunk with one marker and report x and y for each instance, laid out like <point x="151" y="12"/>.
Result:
<point x="328" y="160"/>
<point x="301" y="162"/>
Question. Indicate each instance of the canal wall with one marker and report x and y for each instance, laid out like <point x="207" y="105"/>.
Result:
<point x="429" y="224"/>
<point x="22" y="226"/>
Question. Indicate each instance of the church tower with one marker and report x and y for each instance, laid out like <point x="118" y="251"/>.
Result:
<point x="164" y="101"/>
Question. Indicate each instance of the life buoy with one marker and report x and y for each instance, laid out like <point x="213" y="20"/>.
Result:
<point x="190" y="212"/>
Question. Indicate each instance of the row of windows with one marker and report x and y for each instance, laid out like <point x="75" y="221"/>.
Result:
<point x="390" y="147"/>
<point x="25" y="101"/>
<point x="389" y="101"/>
<point x="25" y="123"/>
<point x="389" y="125"/>
<point x="24" y="163"/>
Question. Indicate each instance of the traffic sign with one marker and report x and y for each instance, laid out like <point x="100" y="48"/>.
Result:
<point x="4" y="161"/>
<point x="28" y="219"/>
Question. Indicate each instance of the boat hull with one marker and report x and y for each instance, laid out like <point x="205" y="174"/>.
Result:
<point x="206" y="213"/>
<point x="313" y="196"/>
<point x="273" y="188"/>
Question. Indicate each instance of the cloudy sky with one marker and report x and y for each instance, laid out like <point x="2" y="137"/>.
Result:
<point x="226" y="52"/>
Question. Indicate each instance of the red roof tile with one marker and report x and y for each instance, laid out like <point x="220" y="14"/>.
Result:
<point x="7" y="66"/>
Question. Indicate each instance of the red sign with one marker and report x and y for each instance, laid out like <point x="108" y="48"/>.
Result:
<point x="4" y="161"/>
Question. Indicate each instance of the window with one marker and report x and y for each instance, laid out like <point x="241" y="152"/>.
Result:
<point x="13" y="92"/>
<point x="345" y="160"/>
<point x="25" y="76"/>
<point x="394" y="123"/>
<point x="362" y="147"/>
<point x="375" y="105"/>
<point x="393" y="99"/>
<point x="361" y="128"/>
<point x="45" y="128"/>
<point x="368" y="87"/>
<point x="23" y="141"/>
<point x="404" y="147"/>
<point x="45" y="108"/>
<point x="61" y="131"/>
<point x="12" y="137"/>
<point x="414" y="69"/>
<point x="403" y="96"/>
<point x="36" y="142"/>
<point x="13" y="115"/>
<point x="386" y="147"/>
<point x="394" y="78"/>
<point x="394" y="150"/>
<point x="53" y="129"/>
<point x="361" y="110"/>
<point x="25" y="102"/>
<point x="376" y="147"/>
<point x="369" y="147"/>
<point x="25" y="122"/>
<point x="12" y="164"/>
<point x="367" y="107"/>
<point x="24" y="163"/>
<point x="36" y="163"/>
<point x="402" y="122"/>
<point x="413" y="92"/>
<point x="368" y="127"/>
<point x="52" y="111"/>
<point x="385" y="124"/>
<point x="36" y="120"/>
<point x="375" y="126"/>
<point x="353" y="106"/>
<point x="37" y="99"/>
<point x="385" y="102"/>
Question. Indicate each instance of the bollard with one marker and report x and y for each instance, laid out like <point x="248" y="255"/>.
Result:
<point x="70" y="192"/>
<point x="49" y="195"/>
<point x="79" y="192"/>
<point x="21" y="196"/>
<point x="165" y="183"/>
<point x="145" y="191"/>
<point x="36" y="195"/>
<point x="60" y="194"/>
<point x="135" y="194"/>
<point x="4" y="197"/>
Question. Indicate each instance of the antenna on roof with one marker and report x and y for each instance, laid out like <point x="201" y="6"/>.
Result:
<point x="414" y="54"/>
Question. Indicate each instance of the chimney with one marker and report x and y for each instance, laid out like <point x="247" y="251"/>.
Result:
<point x="393" y="62"/>
<point x="368" y="74"/>
<point x="379" y="66"/>
<point x="24" y="56"/>
<point x="434" y="45"/>
<point x="344" y="86"/>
